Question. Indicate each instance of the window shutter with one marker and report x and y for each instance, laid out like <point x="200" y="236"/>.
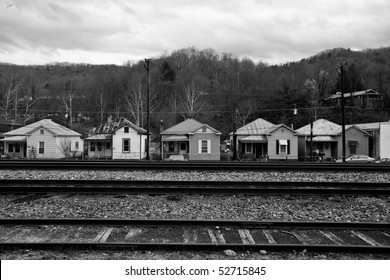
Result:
<point x="288" y="147"/>
<point x="209" y="146"/>
<point x="277" y="147"/>
<point x="199" y="146"/>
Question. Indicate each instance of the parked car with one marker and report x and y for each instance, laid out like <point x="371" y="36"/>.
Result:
<point x="358" y="159"/>
<point x="383" y="160"/>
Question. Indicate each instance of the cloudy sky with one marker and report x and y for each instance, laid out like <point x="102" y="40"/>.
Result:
<point x="115" y="31"/>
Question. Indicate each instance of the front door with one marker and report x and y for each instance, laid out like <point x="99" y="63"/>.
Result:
<point x="183" y="148"/>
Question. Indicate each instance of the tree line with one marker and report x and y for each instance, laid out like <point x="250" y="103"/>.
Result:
<point x="215" y="88"/>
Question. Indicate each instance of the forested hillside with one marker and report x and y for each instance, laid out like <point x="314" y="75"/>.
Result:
<point x="215" y="88"/>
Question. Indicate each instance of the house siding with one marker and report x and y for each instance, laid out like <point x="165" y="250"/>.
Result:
<point x="137" y="144"/>
<point x="384" y="140"/>
<point x="283" y="133"/>
<point x="73" y="140"/>
<point x="354" y="134"/>
<point x="50" y="143"/>
<point x="194" y="146"/>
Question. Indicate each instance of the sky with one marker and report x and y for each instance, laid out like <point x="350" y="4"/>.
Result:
<point x="116" y="31"/>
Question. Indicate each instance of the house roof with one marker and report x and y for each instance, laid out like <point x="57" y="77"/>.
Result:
<point x="324" y="127"/>
<point x="111" y="126"/>
<point x="320" y="127"/>
<point x="259" y="126"/>
<point x="99" y="137"/>
<point x="187" y="126"/>
<point x="47" y="124"/>
<point x="356" y="93"/>
<point x="371" y="126"/>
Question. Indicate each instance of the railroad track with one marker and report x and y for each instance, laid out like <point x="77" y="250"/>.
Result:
<point x="194" y="235"/>
<point x="188" y="165"/>
<point x="203" y="187"/>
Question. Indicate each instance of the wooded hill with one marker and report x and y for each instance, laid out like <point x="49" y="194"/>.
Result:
<point x="218" y="89"/>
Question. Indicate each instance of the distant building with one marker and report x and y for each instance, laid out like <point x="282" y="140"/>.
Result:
<point x="363" y="99"/>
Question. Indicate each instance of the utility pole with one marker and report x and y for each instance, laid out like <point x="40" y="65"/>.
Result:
<point x="147" y="67"/>
<point x="342" y="109"/>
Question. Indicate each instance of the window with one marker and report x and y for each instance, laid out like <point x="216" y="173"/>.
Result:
<point x="42" y="131"/>
<point x="283" y="147"/>
<point x="353" y="146"/>
<point x="93" y="146"/>
<point x="352" y="149"/>
<point x="99" y="146"/>
<point x="76" y="145"/>
<point x="126" y="129"/>
<point x="204" y="129"/>
<point x="204" y="146"/>
<point x="41" y="149"/>
<point x="126" y="145"/>
<point x="108" y="145"/>
<point x="183" y="146"/>
<point x="171" y="146"/>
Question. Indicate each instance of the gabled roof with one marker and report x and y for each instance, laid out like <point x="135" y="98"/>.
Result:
<point x="325" y="127"/>
<point x="320" y="127"/>
<point x="272" y="129"/>
<point x="112" y="126"/>
<point x="339" y="131"/>
<point x="259" y="126"/>
<point x="55" y="128"/>
<point x="187" y="126"/>
<point x="205" y="125"/>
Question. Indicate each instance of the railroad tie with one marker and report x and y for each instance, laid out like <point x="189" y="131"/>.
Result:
<point x="103" y="235"/>
<point x="366" y="239"/>
<point x="133" y="232"/>
<point x="386" y="234"/>
<point x="216" y="237"/>
<point x="269" y="236"/>
<point x="246" y="236"/>
<point x="301" y="237"/>
<point x="331" y="236"/>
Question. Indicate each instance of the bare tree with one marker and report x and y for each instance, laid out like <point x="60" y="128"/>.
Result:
<point x="64" y="146"/>
<point x="245" y="110"/>
<point x="135" y="100"/>
<point x="192" y="102"/>
<point x="10" y="86"/>
<point x="100" y="100"/>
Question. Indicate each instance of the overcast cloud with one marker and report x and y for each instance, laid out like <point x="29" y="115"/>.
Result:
<point x="113" y="32"/>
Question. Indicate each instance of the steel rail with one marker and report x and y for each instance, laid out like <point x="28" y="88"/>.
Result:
<point x="197" y="223"/>
<point x="210" y="187"/>
<point x="188" y="165"/>
<point x="194" y="247"/>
